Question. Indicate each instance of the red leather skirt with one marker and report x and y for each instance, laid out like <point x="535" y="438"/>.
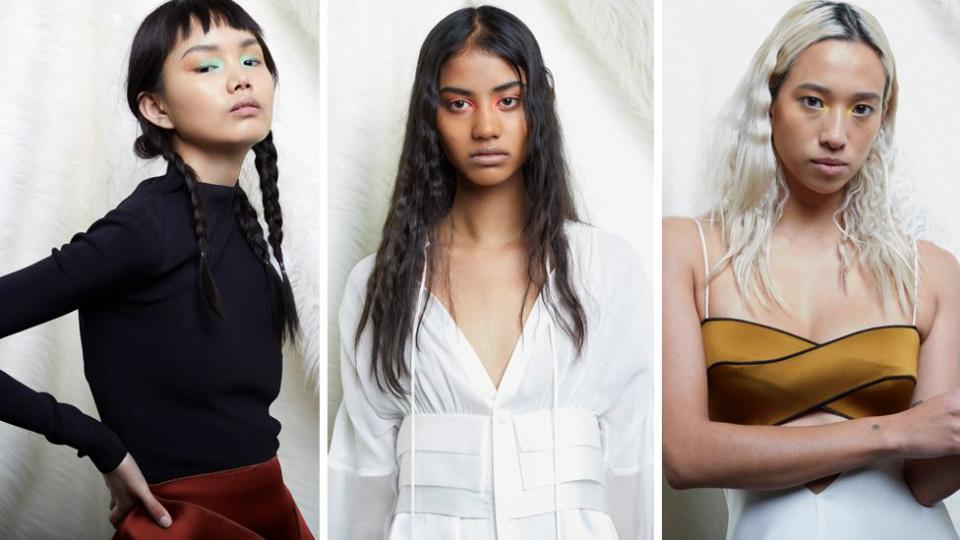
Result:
<point x="246" y="503"/>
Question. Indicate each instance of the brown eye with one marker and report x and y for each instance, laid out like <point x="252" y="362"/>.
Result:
<point x="458" y="105"/>
<point x="862" y="109"/>
<point x="811" y="102"/>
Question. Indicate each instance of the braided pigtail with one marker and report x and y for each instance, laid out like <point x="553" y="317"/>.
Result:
<point x="154" y="142"/>
<point x="249" y="224"/>
<point x="266" y="162"/>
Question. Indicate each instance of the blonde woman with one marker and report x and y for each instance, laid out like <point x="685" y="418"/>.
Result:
<point x="810" y="342"/>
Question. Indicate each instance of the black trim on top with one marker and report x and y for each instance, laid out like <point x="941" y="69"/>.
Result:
<point x="808" y="340"/>
<point x="845" y="394"/>
<point x="761" y="325"/>
<point x="833" y="411"/>
<point x="815" y="346"/>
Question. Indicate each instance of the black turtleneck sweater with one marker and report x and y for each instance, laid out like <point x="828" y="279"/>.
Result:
<point x="183" y="391"/>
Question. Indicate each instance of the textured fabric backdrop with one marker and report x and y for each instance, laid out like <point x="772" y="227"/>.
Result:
<point x="66" y="158"/>
<point x="707" y="47"/>
<point x="600" y="53"/>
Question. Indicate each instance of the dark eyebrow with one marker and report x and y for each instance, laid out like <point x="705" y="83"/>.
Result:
<point x="865" y="96"/>
<point x="468" y="93"/>
<point x="249" y="42"/>
<point x="199" y="48"/>
<point x="859" y="96"/>
<point x="455" y="90"/>
<point x="507" y="86"/>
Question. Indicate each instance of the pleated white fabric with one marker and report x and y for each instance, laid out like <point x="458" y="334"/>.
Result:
<point x="485" y="456"/>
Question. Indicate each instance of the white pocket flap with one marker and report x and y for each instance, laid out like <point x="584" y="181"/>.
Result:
<point x="451" y="433"/>
<point x="575" y="427"/>
<point x="575" y="463"/>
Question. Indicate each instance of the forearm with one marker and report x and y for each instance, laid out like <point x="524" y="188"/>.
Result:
<point x="932" y="480"/>
<point x="60" y="423"/>
<point x="714" y="454"/>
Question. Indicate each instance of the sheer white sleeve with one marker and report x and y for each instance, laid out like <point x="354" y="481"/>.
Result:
<point x="627" y="426"/>
<point x="362" y="463"/>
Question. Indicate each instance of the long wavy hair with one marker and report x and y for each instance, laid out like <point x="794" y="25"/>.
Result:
<point x="426" y="185"/>
<point x="750" y="190"/>
<point x="156" y="37"/>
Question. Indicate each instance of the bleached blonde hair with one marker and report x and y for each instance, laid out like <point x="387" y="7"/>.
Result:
<point x="750" y="189"/>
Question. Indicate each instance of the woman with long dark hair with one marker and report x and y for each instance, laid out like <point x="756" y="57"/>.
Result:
<point x="182" y="312"/>
<point x="494" y="384"/>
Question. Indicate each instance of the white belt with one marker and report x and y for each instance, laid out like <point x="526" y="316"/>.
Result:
<point x="452" y="452"/>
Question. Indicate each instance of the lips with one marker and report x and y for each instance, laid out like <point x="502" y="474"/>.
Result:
<point x="246" y="107"/>
<point x="489" y="157"/>
<point x="830" y="166"/>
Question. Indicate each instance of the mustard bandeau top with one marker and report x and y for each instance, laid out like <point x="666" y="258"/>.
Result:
<point x="761" y="375"/>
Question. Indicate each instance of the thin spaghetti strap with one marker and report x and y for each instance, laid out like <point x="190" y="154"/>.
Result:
<point x="706" y="271"/>
<point x="916" y="279"/>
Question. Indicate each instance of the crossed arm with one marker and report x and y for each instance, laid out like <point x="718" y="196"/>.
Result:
<point x="698" y="452"/>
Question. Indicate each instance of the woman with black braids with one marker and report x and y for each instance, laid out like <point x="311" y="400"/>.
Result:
<point x="494" y="380"/>
<point x="182" y="313"/>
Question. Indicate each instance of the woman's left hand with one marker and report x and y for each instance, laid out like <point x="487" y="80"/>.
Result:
<point x="128" y="488"/>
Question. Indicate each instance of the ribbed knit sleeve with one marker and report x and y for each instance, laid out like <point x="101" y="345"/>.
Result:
<point x="118" y="252"/>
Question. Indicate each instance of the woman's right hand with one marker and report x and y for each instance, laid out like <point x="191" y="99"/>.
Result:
<point x="929" y="429"/>
<point x="128" y="488"/>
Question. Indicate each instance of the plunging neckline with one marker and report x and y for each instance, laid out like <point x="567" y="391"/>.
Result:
<point x="470" y="359"/>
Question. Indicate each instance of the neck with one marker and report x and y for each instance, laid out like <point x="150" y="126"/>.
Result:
<point x="810" y="213"/>
<point x="488" y="215"/>
<point x="213" y="166"/>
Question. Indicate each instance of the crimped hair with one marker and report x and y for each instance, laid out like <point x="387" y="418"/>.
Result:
<point x="750" y="190"/>
<point x="426" y="184"/>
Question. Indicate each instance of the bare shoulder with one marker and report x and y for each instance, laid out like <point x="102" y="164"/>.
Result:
<point x="939" y="283"/>
<point x="939" y="271"/>
<point x="682" y="254"/>
<point x="679" y="231"/>
<point x="681" y="242"/>
<point x="675" y="227"/>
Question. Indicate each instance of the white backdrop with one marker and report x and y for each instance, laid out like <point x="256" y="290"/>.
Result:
<point x="66" y="158"/>
<point x="707" y="47"/>
<point x="600" y="53"/>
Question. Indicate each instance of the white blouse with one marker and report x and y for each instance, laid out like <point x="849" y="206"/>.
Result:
<point x="564" y="444"/>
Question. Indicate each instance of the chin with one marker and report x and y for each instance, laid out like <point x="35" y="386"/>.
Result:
<point x="825" y="187"/>
<point x="243" y="140"/>
<point x="489" y="176"/>
<point x="251" y="137"/>
<point x="486" y="180"/>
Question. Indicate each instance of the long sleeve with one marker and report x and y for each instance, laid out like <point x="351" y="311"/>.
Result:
<point x="362" y="460"/>
<point x="627" y="426"/>
<point x="117" y="252"/>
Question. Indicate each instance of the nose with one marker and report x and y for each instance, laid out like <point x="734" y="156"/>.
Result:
<point x="486" y="123"/>
<point x="833" y="132"/>
<point x="238" y="83"/>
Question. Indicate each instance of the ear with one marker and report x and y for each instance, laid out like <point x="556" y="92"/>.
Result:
<point x="154" y="109"/>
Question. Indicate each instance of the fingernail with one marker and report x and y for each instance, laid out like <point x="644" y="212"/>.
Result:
<point x="165" y="522"/>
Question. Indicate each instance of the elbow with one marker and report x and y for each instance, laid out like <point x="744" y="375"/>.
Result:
<point x="679" y="469"/>
<point x="685" y="464"/>
<point x="920" y="495"/>
<point x="675" y="477"/>
<point x="918" y="488"/>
